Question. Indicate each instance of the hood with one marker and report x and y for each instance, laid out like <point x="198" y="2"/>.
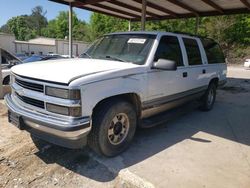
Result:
<point x="64" y="71"/>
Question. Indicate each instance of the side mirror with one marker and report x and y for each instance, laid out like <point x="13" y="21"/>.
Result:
<point x="165" y="64"/>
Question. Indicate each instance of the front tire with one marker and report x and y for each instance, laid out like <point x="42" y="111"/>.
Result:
<point x="209" y="98"/>
<point x="114" y="125"/>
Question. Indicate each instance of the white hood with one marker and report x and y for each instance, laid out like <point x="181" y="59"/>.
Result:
<point x="63" y="71"/>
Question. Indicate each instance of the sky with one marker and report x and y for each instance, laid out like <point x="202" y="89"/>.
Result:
<point x="11" y="8"/>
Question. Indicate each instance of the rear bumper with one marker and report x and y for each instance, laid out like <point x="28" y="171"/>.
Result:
<point x="70" y="133"/>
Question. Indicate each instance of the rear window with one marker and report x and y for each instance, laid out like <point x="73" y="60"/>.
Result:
<point x="213" y="52"/>
<point x="193" y="51"/>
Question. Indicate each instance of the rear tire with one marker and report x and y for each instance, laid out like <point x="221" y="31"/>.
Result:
<point x="209" y="98"/>
<point x="114" y="125"/>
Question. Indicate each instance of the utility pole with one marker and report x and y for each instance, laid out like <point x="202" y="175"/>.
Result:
<point x="70" y="30"/>
<point x="143" y="14"/>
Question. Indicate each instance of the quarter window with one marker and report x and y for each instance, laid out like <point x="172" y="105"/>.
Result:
<point x="169" y="48"/>
<point x="213" y="51"/>
<point x="193" y="51"/>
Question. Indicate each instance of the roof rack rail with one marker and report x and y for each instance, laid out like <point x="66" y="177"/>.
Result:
<point x="190" y="34"/>
<point x="194" y="35"/>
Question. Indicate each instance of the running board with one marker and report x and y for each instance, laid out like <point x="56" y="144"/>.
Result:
<point x="169" y="115"/>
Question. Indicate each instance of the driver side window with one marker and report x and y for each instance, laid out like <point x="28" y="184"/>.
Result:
<point x="169" y="48"/>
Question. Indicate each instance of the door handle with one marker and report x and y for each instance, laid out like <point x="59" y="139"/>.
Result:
<point x="204" y="71"/>
<point x="184" y="74"/>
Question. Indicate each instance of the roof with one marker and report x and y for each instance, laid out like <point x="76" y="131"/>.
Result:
<point x="39" y="41"/>
<point x="158" y="33"/>
<point x="43" y="41"/>
<point x="161" y="9"/>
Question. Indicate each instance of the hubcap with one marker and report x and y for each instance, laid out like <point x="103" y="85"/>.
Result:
<point x="210" y="96"/>
<point x="118" y="129"/>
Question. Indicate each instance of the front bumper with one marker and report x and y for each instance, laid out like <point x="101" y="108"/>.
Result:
<point x="70" y="133"/>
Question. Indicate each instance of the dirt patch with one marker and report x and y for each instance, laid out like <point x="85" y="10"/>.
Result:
<point x="23" y="165"/>
<point x="3" y="110"/>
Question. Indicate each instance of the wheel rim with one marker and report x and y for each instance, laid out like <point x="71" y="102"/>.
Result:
<point x="210" y="97"/>
<point x="118" y="129"/>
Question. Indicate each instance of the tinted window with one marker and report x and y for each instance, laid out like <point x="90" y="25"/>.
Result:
<point x="213" y="51"/>
<point x="169" y="48"/>
<point x="193" y="51"/>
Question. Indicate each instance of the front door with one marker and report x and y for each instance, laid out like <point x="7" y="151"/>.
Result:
<point x="164" y="85"/>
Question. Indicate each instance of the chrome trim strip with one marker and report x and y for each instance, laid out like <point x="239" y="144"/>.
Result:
<point x="16" y="105"/>
<point x="166" y="99"/>
<point x="42" y="97"/>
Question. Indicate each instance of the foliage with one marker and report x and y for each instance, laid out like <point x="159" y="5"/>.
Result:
<point x="37" y="19"/>
<point x="26" y="27"/>
<point x="232" y="32"/>
<point x="20" y="28"/>
<point x="102" y="24"/>
<point x="58" y="27"/>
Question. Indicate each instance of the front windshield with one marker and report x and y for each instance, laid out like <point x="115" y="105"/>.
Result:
<point x="121" y="47"/>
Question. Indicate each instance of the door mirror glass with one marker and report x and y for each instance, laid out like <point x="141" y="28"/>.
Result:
<point x="165" y="64"/>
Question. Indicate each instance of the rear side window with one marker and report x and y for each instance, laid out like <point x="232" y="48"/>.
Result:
<point x="193" y="51"/>
<point x="213" y="51"/>
<point x="169" y="48"/>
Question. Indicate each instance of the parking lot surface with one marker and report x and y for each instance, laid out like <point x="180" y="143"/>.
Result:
<point x="198" y="149"/>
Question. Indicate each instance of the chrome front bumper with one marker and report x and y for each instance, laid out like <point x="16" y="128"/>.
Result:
<point x="71" y="132"/>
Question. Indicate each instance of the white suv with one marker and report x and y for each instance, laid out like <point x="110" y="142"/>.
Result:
<point x="121" y="80"/>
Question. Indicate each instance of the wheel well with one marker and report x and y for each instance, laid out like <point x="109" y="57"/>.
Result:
<point x="214" y="80"/>
<point x="6" y="80"/>
<point x="132" y="98"/>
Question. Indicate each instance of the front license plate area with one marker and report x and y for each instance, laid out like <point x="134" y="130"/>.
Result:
<point x="15" y="119"/>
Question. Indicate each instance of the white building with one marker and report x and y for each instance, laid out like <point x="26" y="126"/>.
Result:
<point x="40" y="45"/>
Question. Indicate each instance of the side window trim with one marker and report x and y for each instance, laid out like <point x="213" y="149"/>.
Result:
<point x="183" y="51"/>
<point x="202" y="51"/>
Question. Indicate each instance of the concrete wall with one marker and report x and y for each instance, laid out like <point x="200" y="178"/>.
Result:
<point x="7" y="42"/>
<point x="63" y="47"/>
<point x="34" y="48"/>
<point x="40" y="45"/>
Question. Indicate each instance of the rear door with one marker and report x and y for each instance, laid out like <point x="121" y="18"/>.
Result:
<point x="195" y="70"/>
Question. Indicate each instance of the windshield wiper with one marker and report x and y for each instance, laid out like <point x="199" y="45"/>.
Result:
<point x="85" y="53"/>
<point x="115" y="58"/>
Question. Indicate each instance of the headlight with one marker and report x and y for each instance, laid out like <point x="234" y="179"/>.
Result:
<point x="68" y="111"/>
<point x="73" y="94"/>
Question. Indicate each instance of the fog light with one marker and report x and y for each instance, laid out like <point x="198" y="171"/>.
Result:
<point x="67" y="111"/>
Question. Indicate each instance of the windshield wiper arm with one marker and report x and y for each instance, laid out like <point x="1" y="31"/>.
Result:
<point x="115" y="58"/>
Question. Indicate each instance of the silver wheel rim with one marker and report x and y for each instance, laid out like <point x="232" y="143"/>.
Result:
<point x="210" y="96"/>
<point x="118" y="129"/>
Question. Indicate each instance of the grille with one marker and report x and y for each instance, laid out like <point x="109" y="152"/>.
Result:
<point x="34" y="102"/>
<point x="29" y="85"/>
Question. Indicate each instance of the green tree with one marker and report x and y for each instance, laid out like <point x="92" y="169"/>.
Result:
<point x="58" y="27"/>
<point x="37" y="19"/>
<point x="20" y="28"/>
<point x="101" y="24"/>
